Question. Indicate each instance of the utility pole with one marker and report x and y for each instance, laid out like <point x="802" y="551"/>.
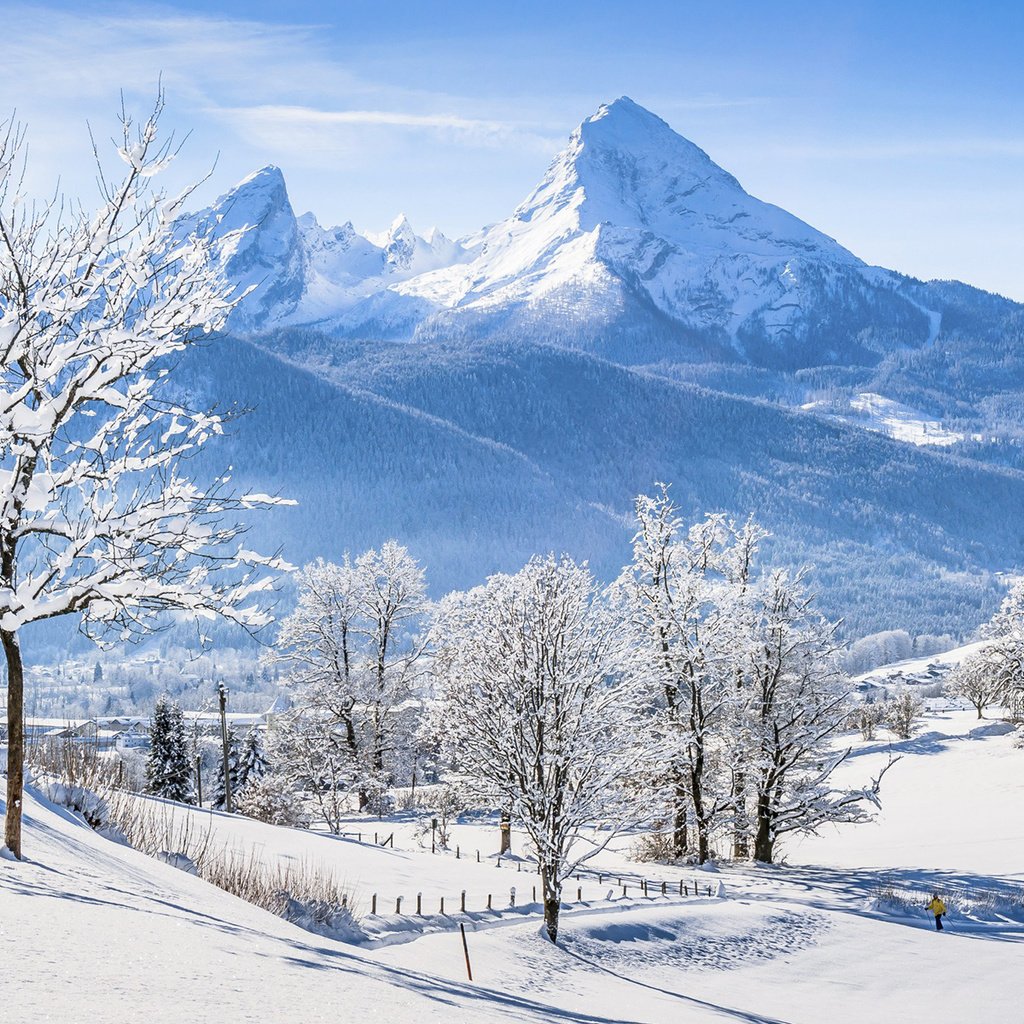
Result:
<point x="222" y="693"/>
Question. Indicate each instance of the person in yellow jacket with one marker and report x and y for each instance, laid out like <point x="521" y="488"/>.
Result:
<point x="938" y="908"/>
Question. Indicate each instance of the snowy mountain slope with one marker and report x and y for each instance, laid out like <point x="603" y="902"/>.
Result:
<point x="478" y="456"/>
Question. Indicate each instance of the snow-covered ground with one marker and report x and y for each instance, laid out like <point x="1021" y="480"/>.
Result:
<point x="93" y="929"/>
<point x="894" y="419"/>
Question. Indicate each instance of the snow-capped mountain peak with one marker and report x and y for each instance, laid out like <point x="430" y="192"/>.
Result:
<point x="633" y="230"/>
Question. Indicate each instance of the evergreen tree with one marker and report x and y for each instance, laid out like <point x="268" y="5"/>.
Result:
<point x="168" y="767"/>
<point x="234" y="756"/>
<point x="252" y="763"/>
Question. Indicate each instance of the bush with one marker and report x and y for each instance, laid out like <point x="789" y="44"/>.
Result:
<point x="272" y="799"/>
<point x="902" y="712"/>
<point x="84" y="802"/>
<point x="656" y="846"/>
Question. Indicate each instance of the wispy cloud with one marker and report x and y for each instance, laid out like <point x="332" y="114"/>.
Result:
<point x="282" y="125"/>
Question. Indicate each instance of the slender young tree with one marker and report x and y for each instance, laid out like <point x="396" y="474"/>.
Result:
<point x="536" y="709"/>
<point x="350" y="651"/>
<point x="220" y="794"/>
<point x="99" y="515"/>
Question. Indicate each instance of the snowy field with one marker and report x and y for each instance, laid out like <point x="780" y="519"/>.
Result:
<point x="96" y="931"/>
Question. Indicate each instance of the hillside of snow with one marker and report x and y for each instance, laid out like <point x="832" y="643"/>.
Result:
<point x="839" y="933"/>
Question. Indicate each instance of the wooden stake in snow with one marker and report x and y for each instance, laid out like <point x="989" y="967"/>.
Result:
<point x="465" y="949"/>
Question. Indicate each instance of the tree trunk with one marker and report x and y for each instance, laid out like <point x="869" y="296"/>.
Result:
<point x="680" y="835"/>
<point x="764" y="842"/>
<point x="15" y="741"/>
<point x="552" y="890"/>
<point x="506" y="832"/>
<point x="741" y="830"/>
<point x="697" y="794"/>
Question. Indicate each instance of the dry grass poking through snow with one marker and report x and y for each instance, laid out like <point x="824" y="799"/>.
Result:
<point x="302" y="893"/>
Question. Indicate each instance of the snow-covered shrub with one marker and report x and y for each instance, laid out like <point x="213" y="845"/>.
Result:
<point x="657" y="846"/>
<point x="867" y="718"/>
<point x="444" y="807"/>
<point x="86" y="803"/>
<point x="902" y="712"/>
<point x="273" y="799"/>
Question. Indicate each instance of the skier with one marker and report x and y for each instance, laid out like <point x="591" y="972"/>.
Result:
<point x="938" y="908"/>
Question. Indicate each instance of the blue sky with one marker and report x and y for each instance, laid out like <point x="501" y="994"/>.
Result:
<point x="898" y="128"/>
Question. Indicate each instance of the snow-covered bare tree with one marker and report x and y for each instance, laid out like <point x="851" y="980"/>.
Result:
<point x="1005" y="650"/>
<point x="351" y="651"/>
<point x="976" y="680"/>
<point x="99" y="516"/>
<point x="684" y="594"/>
<point x="796" y="706"/>
<point x="537" y="709"/>
<point x="309" y="752"/>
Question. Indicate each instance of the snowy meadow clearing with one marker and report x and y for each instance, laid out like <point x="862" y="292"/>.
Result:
<point x="837" y="933"/>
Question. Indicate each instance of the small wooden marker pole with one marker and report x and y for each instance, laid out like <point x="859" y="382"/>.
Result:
<point x="373" y="904"/>
<point x="579" y="895"/>
<point x="463" y="903"/>
<point x="664" y="889"/>
<point x="442" y="905"/>
<point x="398" y="905"/>
<point x="465" y="949"/>
<point x="488" y="901"/>
<point x="419" y="904"/>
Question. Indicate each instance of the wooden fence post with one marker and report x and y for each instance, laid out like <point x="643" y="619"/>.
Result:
<point x="463" y="904"/>
<point x="488" y="901"/>
<point x="373" y="904"/>
<point x="398" y="905"/>
<point x="419" y="904"/>
<point x="465" y="949"/>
